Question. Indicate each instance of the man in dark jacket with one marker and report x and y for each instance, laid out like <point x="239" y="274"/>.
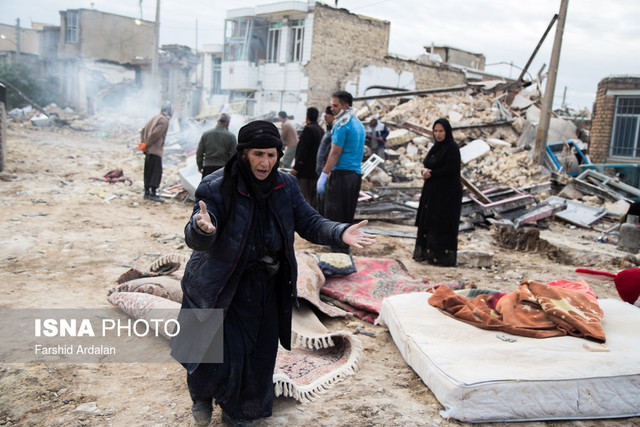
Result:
<point x="153" y="135"/>
<point x="216" y="146"/>
<point x="323" y="154"/>
<point x="304" y="167"/>
<point x="242" y="230"/>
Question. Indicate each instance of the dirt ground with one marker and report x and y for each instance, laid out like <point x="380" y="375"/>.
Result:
<point x="66" y="235"/>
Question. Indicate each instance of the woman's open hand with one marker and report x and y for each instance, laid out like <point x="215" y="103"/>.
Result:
<point x="204" y="220"/>
<point x="357" y="238"/>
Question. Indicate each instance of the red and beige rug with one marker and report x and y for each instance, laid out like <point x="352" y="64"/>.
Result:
<point x="361" y="293"/>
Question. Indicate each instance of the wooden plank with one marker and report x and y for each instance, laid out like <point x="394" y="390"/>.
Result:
<point x="475" y="190"/>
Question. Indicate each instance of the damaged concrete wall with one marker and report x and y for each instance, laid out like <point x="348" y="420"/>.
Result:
<point x="429" y="74"/>
<point x="604" y="113"/>
<point x="375" y="75"/>
<point x="342" y="42"/>
<point x="29" y="39"/>
<point x="364" y="60"/>
<point x="100" y="55"/>
<point x="84" y="82"/>
<point x="106" y="36"/>
<point x="451" y="55"/>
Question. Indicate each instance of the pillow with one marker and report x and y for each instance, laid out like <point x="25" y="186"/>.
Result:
<point x="336" y="264"/>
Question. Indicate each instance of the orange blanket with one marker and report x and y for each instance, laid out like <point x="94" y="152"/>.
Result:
<point x="535" y="310"/>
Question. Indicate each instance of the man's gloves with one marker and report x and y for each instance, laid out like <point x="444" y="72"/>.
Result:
<point x="322" y="183"/>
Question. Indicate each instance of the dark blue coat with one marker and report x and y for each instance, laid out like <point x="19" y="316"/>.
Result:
<point x="212" y="274"/>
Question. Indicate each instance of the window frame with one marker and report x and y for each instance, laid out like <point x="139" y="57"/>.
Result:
<point x="274" y="38"/>
<point x="626" y="119"/>
<point x="296" y="47"/>
<point x="71" y="27"/>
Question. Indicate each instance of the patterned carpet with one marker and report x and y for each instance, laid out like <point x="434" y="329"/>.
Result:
<point x="361" y="293"/>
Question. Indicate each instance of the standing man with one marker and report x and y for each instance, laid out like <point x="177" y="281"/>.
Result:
<point x="378" y="133"/>
<point x="347" y="147"/>
<point x="304" y="167"/>
<point x="323" y="153"/>
<point x="289" y="137"/>
<point x="153" y="134"/>
<point x="216" y="146"/>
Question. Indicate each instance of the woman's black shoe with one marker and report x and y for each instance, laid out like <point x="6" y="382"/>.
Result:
<point x="232" y="422"/>
<point x="201" y="411"/>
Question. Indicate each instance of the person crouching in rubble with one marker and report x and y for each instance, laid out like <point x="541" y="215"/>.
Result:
<point x="438" y="215"/>
<point x="153" y="135"/>
<point x="242" y="231"/>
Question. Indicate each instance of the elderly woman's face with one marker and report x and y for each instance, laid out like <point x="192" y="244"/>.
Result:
<point x="439" y="132"/>
<point x="261" y="161"/>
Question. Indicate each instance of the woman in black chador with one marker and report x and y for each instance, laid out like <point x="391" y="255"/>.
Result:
<point x="441" y="200"/>
<point x="242" y="230"/>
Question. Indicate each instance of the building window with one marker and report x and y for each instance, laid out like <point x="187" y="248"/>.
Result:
<point x="72" y="27"/>
<point x="245" y="39"/>
<point x="625" y="139"/>
<point x="273" y="41"/>
<point x="235" y="39"/>
<point x="297" y="38"/>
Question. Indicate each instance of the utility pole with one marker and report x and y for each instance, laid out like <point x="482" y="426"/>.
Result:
<point x="156" y="43"/>
<point x="18" y="40"/>
<point x="547" y="102"/>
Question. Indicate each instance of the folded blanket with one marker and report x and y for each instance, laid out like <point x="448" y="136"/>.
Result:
<point x="162" y="286"/>
<point x="310" y="281"/>
<point x="535" y="310"/>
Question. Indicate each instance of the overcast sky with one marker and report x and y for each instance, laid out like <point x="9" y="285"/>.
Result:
<point x="601" y="38"/>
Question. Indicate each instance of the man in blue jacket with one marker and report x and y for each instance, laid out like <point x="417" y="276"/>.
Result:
<point x="341" y="175"/>
<point x="242" y="231"/>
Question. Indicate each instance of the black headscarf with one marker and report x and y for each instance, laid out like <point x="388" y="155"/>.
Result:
<point x="448" y="132"/>
<point x="257" y="134"/>
<point x="437" y="146"/>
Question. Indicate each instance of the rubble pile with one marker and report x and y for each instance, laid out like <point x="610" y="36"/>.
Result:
<point x="473" y="115"/>
<point x="461" y="108"/>
<point x="503" y="185"/>
<point x="513" y="167"/>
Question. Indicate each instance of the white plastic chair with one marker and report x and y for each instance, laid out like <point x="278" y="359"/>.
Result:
<point x="370" y="164"/>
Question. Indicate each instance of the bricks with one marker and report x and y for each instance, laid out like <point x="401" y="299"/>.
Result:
<point x="343" y="43"/>
<point x="604" y="113"/>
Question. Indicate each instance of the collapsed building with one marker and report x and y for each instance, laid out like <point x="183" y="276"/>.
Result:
<point x="496" y="133"/>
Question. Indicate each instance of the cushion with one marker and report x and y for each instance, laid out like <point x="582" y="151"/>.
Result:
<point x="336" y="264"/>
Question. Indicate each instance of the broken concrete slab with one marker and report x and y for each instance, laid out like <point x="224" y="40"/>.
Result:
<point x="398" y="137"/>
<point x="391" y="233"/>
<point x="190" y="178"/>
<point x="498" y="143"/>
<point x="474" y="150"/>
<point x="521" y="102"/>
<point x="455" y="117"/>
<point x="40" y="120"/>
<point x="578" y="213"/>
<point x="619" y="207"/>
<point x="475" y="259"/>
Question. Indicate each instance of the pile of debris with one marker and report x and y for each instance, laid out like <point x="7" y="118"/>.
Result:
<point x="474" y="115"/>
<point x="503" y="185"/>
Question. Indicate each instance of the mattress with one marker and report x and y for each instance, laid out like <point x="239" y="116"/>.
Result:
<point x="489" y="376"/>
